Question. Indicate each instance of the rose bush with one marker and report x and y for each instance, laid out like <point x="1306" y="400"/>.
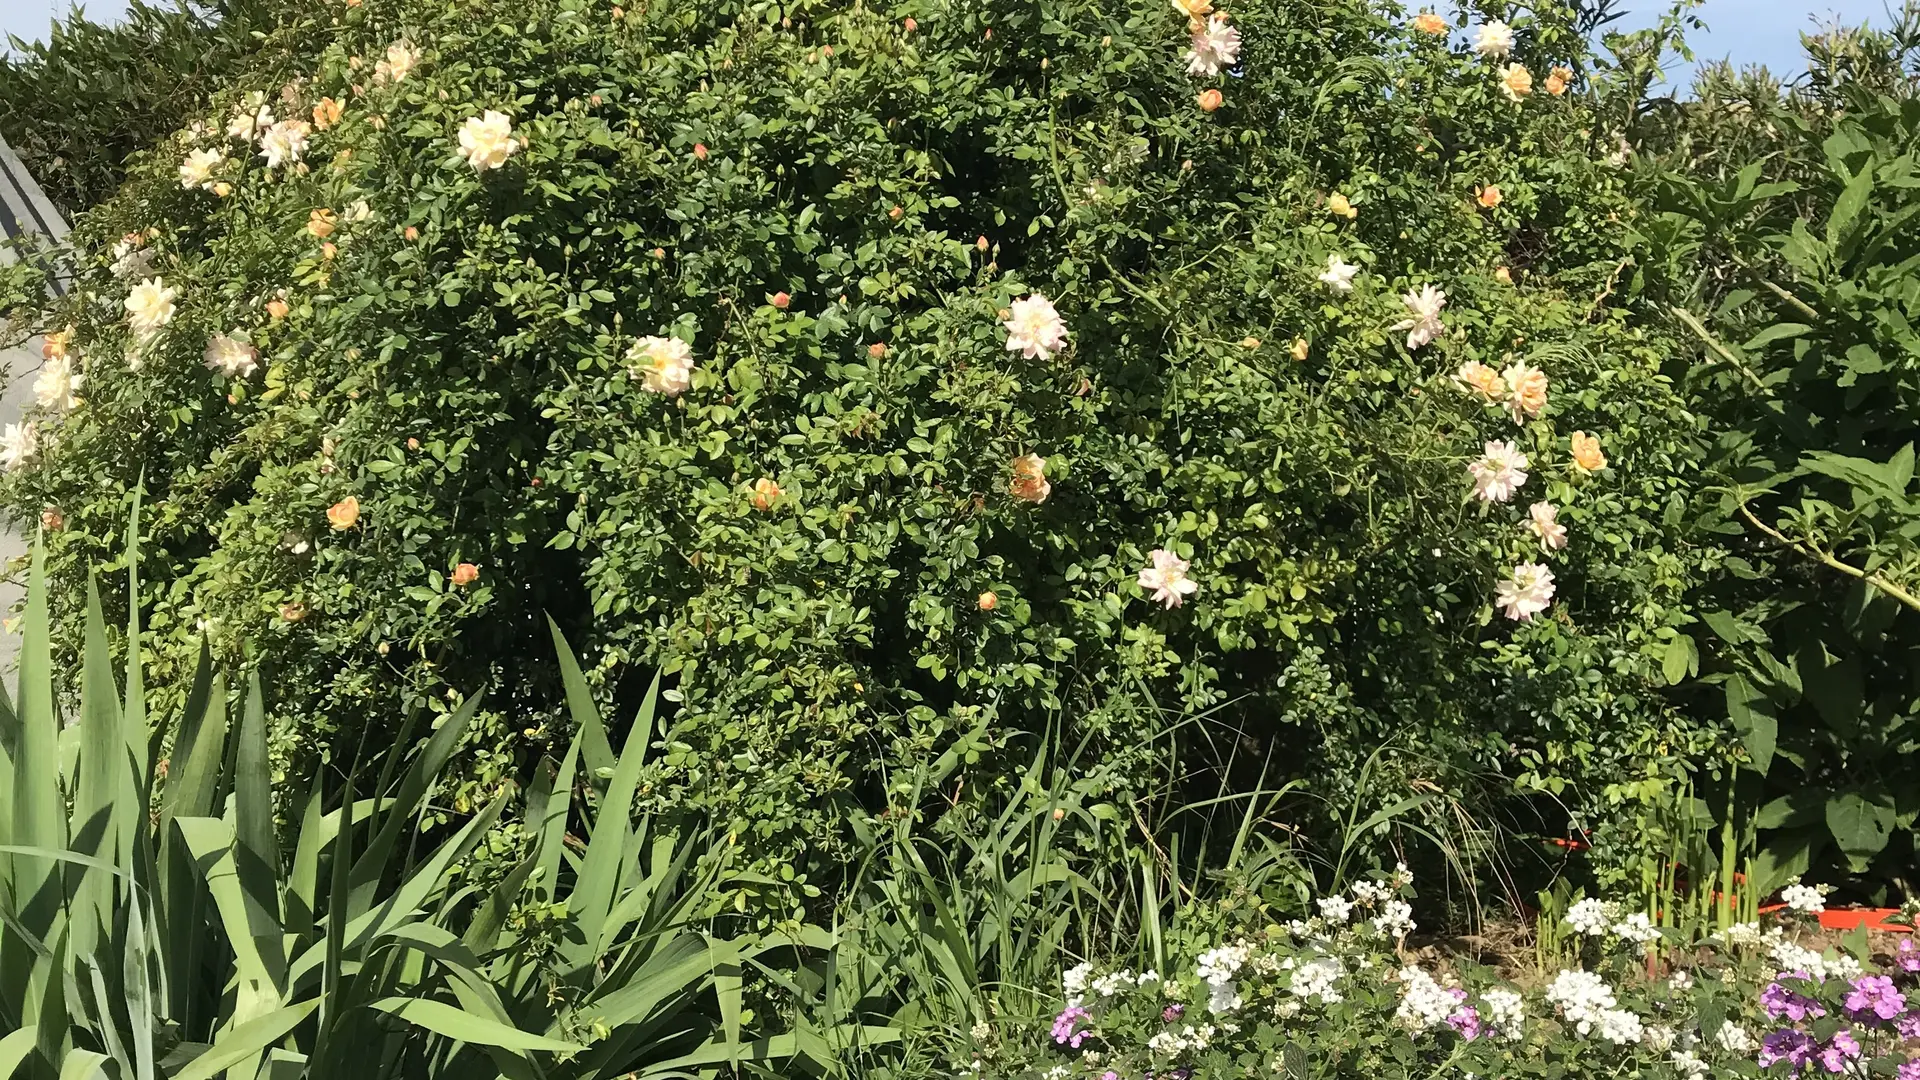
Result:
<point x="897" y="381"/>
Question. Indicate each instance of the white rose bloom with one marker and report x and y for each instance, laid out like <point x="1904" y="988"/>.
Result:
<point x="1339" y="275"/>
<point x="17" y="445"/>
<point x="356" y="212"/>
<point x="487" y="141"/>
<point x="130" y="259"/>
<point x="1495" y="40"/>
<point x="231" y="357"/>
<point x="55" y="384"/>
<point x="285" y="143"/>
<point x="1214" y="46"/>
<point x="1501" y="471"/>
<point x="1424" y="307"/>
<point x="197" y="170"/>
<point x="1543" y="520"/>
<point x="150" y="307"/>
<point x="1034" y="328"/>
<point x="663" y="364"/>
<point x="1528" y="592"/>
<point x="400" y="60"/>
<point x="248" y="123"/>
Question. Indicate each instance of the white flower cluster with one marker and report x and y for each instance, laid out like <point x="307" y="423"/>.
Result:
<point x="1504" y="1012"/>
<point x="1217" y="968"/>
<point x="1317" y="978"/>
<point x="1189" y="1039"/>
<point x="1746" y="933"/>
<point x="1690" y="1064"/>
<point x="1735" y="1039"/>
<point x="1424" y="1003"/>
<point x="1788" y="956"/>
<point x="1074" y="982"/>
<point x="1638" y="929"/>
<point x="1115" y="983"/>
<point x="1805" y="899"/>
<point x="1335" y="909"/>
<point x="1588" y="1003"/>
<point x="1592" y="917"/>
<point x="1395" y="919"/>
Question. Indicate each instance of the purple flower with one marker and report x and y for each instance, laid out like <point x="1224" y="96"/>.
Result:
<point x="1171" y="1013"/>
<point x="1908" y="1070"/>
<point x="1778" y="1001"/>
<point x="1796" y="1048"/>
<point x="1834" y="1055"/>
<point x="1109" y="1075"/>
<point x="1874" y="995"/>
<point x="1908" y="1025"/>
<point x="1066" y="1027"/>
<point x="1466" y="1021"/>
<point x="1908" y="959"/>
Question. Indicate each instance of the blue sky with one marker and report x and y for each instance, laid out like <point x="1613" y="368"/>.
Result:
<point x="1754" y="31"/>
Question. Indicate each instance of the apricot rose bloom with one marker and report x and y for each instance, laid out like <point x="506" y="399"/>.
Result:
<point x="197" y="170"/>
<point x="1558" y="79"/>
<point x="1526" y="390"/>
<point x="326" y="113"/>
<point x="465" y="574"/>
<point x="1030" y="479"/>
<point x="1210" y="100"/>
<point x="1481" y="379"/>
<point x="1489" y="196"/>
<point x="1516" y="81"/>
<point x="1587" y="456"/>
<point x="765" y="491"/>
<point x="344" y="514"/>
<point x="1428" y="23"/>
<point x="231" y="357"/>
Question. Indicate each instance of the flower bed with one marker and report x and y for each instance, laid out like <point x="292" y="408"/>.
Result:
<point x="1341" y="995"/>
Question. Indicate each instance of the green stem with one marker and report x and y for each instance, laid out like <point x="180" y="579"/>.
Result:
<point x="1875" y="580"/>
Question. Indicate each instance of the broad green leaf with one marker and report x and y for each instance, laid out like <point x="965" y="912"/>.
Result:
<point x="1752" y="715"/>
<point x="246" y="1041"/>
<point x="1861" y="822"/>
<point x="443" y="1019"/>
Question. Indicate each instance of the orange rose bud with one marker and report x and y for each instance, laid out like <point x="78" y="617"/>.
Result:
<point x="910" y="25"/>
<point x="988" y="601"/>
<point x="326" y="113"/>
<point x="1299" y="349"/>
<point x="981" y="244"/>
<point x="877" y="350"/>
<point x="895" y="213"/>
<point x="765" y="491"/>
<point x="411" y="234"/>
<point x="1503" y="275"/>
<point x="320" y="223"/>
<point x="700" y="150"/>
<point x="293" y="611"/>
<point x="1489" y="196"/>
<point x="344" y="514"/>
<point x="277" y="308"/>
<point x="659" y="253"/>
<point x="52" y="520"/>
<point x="327" y="250"/>
<point x="413" y="444"/>
<point x="465" y="574"/>
<point x="1210" y="100"/>
<point x="780" y="300"/>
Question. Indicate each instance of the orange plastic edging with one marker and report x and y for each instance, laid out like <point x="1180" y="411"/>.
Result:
<point x="1852" y="918"/>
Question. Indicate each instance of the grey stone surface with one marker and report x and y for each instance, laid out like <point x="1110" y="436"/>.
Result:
<point x="24" y="209"/>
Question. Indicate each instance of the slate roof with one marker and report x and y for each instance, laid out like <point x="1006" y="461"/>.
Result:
<point x="24" y="208"/>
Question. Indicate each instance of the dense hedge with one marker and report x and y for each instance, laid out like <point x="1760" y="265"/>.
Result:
<point x="835" y="208"/>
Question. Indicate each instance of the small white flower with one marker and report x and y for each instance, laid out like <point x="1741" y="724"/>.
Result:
<point x="1526" y="593"/>
<point x="487" y="141"/>
<point x="663" y="364"/>
<point x="131" y="259"/>
<point x="1339" y="275"/>
<point x="55" y="384"/>
<point x="1034" y="328"/>
<point x="1620" y="1027"/>
<point x="150" y="307"/>
<point x="231" y="357"/>
<point x="1074" y="981"/>
<point x="1680" y="981"/>
<point x="285" y="143"/>
<point x="198" y="169"/>
<point x="1424" y="306"/>
<point x="1318" y="978"/>
<point x="1501" y="471"/>
<point x="1505" y="1012"/>
<point x="1734" y="1039"/>
<point x="1582" y="997"/>
<point x="1495" y="40"/>
<point x="1215" y="45"/>
<point x="17" y="445"/>
<point x="1424" y="1003"/>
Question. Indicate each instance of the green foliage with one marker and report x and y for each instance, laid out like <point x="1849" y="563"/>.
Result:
<point x="191" y="941"/>
<point x="1793" y="268"/>
<point x="456" y="359"/>
<point x="78" y="104"/>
